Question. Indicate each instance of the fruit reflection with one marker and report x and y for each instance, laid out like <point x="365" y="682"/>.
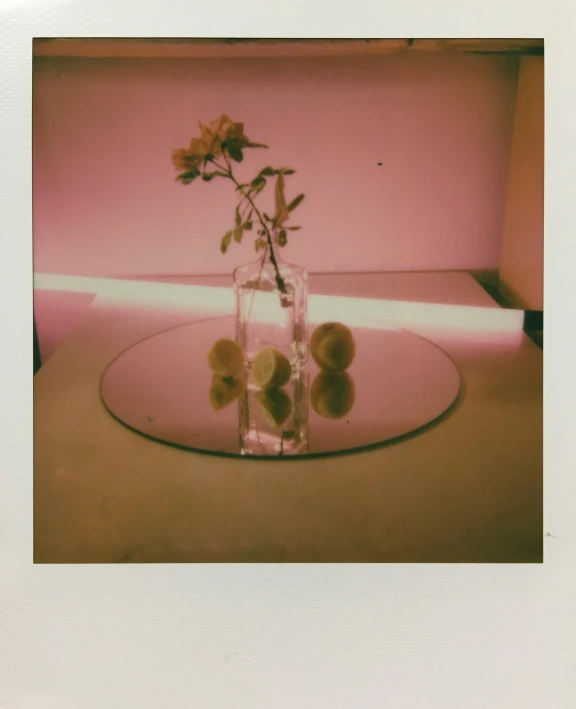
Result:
<point x="332" y="394"/>
<point x="275" y="406"/>
<point x="274" y="421"/>
<point x="225" y="390"/>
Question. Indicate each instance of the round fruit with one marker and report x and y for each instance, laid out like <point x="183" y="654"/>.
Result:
<point x="226" y="358"/>
<point x="332" y="347"/>
<point x="271" y="369"/>
<point x="332" y="394"/>
<point x="275" y="405"/>
<point x="224" y="390"/>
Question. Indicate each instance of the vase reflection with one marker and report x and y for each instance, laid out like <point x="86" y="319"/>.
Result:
<point x="274" y="422"/>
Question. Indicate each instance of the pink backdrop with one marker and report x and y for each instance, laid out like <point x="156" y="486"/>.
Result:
<point x="106" y="203"/>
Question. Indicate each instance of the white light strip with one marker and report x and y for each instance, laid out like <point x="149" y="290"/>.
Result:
<point x="144" y="292"/>
<point x="363" y="312"/>
<point x="410" y="314"/>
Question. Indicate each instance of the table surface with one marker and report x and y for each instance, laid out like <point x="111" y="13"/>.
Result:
<point x="467" y="490"/>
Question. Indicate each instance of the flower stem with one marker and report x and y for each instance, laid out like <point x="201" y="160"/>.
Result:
<point x="279" y="280"/>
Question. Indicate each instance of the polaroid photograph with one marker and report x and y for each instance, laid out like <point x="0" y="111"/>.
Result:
<point x="288" y="300"/>
<point x="278" y="425"/>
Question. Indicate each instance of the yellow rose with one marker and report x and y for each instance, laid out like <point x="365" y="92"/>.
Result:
<point x="209" y="140"/>
<point x="210" y="143"/>
<point x="197" y="147"/>
<point x="220" y="130"/>
<point x="225" y="129"/>
<point x="184" y="160"/>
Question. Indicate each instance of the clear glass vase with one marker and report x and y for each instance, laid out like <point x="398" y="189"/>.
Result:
<point x="272" y="307"/>
<point x="274" y="422"/>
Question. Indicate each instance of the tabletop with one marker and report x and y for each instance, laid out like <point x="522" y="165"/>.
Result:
<point x="466" y="490"/>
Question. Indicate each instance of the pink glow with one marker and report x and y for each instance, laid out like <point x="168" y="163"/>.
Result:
<point x="56" y="313"/>
<point x="106" y="203"/>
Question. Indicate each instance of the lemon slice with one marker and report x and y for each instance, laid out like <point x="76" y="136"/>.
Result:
<point x="275" y="406"/>
<point x="225" y="390"/>
<point x="226" y="358"/>
<point x="332" y="394"/>
<point x="332" y="347"/>
<point x="271" y="369"/>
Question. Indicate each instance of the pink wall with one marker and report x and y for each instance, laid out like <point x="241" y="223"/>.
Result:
<point x="106" y="203"/>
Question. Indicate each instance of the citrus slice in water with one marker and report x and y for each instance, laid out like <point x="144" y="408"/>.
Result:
<point x="275" y="406"/>
<point x="271" y="369"/>
<point x="332" y="347"/>
<point x="226" y="358"/>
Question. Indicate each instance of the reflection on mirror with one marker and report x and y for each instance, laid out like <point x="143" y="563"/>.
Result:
<point x="274" y="421"/>
<point x="273" y="400"/>
<point x="225" y="390"/>
<point x="164" y="388"/>
<point x="275" y="406"/>
<point x="333" y="394"/>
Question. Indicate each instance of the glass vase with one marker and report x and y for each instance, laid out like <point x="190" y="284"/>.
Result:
<point x="274" y="422"/>
<point x="272" y="307"/>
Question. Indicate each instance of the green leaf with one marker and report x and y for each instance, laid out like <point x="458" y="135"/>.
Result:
<point x="244" y="143"/>
<point x="207" y="176"/>
<point x="226" y="239"/>
<point x="282" y="238"/>
<point x="259" y="187"/>
<point x="293" y="228"/>
<point x="258" y="180"/>
<point x="238" y="233"/>
<point x="234" y="149"/>
<point x="267" y="171"/>
<point x="295" y="202"/>
<point x="282" y="213"/>
<point x="187" y="177"/>
<point x="238" y="218"/>
<point x="247" y="226"/>
<point x="260" y="244"/>
<point x="287" y="171"/>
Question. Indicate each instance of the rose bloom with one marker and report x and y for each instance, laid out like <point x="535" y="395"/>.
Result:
<point x="209" y="142"/>
<point x="185" y="160"/>
<point x="218" y="131"/>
